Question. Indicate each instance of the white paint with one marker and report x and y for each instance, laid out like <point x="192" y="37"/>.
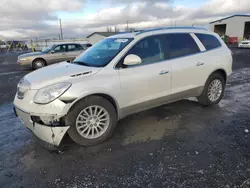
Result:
<point x="129" y="87"/>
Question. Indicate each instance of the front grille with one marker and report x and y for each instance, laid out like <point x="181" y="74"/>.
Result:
<point x="22" y="88"/>
<point x="244" y="42"/>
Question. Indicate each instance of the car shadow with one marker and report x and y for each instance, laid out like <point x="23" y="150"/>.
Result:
<point x="153" y="124"/>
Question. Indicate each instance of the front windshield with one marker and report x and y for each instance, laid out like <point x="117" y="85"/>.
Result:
<point x="103" y="52"/>
<point x="47" y="49"/>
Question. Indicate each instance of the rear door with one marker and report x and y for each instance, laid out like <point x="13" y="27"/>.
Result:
<point x="74" y="50"/>
<point x="213" y="50"/>
<point x="183" y="52"/>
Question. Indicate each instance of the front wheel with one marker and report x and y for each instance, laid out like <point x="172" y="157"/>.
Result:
<point x="92" y="121"/>
<point x="213" y="90"/>
<point x="38" y="63"/>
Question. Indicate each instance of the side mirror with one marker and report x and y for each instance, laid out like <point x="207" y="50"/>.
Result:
<point x="70" y="61"/>
<point x="132" y="59"/>
<point x="52" y="51"/>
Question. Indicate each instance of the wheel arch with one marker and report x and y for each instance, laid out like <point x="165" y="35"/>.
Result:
<point x="37" y="58"/>
<point x="111" y="99"/>
<point x="220" y="71"/>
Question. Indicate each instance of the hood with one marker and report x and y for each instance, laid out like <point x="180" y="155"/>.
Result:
<point x="61" y="72"/>
<point x="30" y="54"/>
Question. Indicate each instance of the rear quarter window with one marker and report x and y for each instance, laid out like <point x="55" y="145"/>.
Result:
<point x="209" y="41"/>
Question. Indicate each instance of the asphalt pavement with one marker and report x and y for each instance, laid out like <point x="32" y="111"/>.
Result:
<point x="177" y="145"/>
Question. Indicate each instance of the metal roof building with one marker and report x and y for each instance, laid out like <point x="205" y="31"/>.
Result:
<point x="233" y="26"/>
<point x="97" y="36"/>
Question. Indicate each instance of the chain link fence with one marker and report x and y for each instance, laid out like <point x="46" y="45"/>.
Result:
<point x="34" y="45"/>
<point x="37" y="45"/>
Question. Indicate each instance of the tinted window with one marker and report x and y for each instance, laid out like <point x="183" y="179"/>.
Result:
<point x="209" y="41"/>
<point x="180" y="44"/>
<point x="60" y="48"/>
<point x="74" y="47"/>
<point x="78" y="47"/>
<point x="150" y="49"/>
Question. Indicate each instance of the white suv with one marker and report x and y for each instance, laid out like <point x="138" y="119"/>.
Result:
<point x="121" y="75"/>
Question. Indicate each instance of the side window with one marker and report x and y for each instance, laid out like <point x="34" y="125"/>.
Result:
<point x="150" y="49"/>
<point x="60" y="49"/>
<point x="74" y="47"/>
<point x="78" y="47"/>
<point x="180" y="44"/>
<point x="209" y="41"/>
<point x="71" y="47"/>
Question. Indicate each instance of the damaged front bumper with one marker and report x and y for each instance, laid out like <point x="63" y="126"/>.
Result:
<point x="47" y="129"/>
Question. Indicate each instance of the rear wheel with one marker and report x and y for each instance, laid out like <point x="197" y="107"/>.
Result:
<point x="213" y="90"/>
<point x="38" y="63"/>
<point x="92" y="121"/>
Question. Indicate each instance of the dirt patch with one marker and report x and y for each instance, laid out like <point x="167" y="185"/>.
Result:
<point x="149" y="128"/>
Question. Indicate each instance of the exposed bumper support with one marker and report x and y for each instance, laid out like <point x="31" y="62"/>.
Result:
<point x="49" y="134"/>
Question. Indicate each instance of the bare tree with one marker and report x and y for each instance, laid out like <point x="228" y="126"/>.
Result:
<point x="131" y="29"/>
<point x="116" y="29"/>
<point x="109" y="29"/>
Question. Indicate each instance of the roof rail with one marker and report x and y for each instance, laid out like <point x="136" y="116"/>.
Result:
<point x="166" y="28"/>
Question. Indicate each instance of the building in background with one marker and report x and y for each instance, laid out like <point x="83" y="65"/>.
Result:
<point x="233" y="26"/>
<point x="97" y="36"/>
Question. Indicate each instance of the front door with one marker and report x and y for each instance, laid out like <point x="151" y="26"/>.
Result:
<point x="58" y="54"/>
<point x="148" y="84"/>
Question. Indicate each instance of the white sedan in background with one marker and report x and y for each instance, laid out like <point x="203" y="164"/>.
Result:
<point x="244" y="44"/>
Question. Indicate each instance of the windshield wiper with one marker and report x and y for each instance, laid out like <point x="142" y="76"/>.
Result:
<point x="80" y="63"/>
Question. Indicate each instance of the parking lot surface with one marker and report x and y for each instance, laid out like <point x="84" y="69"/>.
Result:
<point x="177" y="145"/>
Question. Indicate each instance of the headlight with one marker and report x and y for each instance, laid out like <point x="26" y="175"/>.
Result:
<point x="23" y="59"/>
<point x="50" y="93"/>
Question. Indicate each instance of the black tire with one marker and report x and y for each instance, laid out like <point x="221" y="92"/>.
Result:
<point x="70" y="120"/>
<point x="38" y="63"/>
<point x="203" y="98"/>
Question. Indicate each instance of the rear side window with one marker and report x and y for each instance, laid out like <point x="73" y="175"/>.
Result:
<point x="209" y="41"/>
<point x="74" y="47"/>
<point x="179" y="45"/>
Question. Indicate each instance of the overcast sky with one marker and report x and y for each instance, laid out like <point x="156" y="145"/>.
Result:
<point x="40" y="18"/>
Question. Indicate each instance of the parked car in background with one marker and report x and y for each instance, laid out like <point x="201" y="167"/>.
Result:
<point x="52" y="54"/>
<point x="244" y="44"/>
<point x="121" y="75"/>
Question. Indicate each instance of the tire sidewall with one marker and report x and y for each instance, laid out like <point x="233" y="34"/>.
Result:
<point x="35" y="67"/>
<point x="71" y="117"/>
<point x="210" y="79"/>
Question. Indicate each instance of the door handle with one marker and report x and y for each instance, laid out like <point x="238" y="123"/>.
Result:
<point x="199" y="64"/>
<point x="163" y="72"/>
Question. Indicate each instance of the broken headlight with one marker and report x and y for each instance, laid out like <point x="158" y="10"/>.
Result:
<point x="50" y="93"/>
